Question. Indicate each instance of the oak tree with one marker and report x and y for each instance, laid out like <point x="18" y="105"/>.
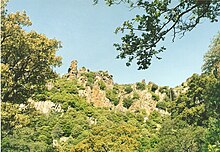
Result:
<point x="158" y="18"/>
<point x="27" y="58"/>
<point x="212" y="58"/>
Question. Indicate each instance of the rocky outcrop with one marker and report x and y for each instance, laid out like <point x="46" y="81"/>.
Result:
<point x="72" y="71"/>
<point x="96" y="84"/>
<point x="46" y="106"/>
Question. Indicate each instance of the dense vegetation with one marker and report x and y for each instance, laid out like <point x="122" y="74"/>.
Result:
<point x="192" y="122"/>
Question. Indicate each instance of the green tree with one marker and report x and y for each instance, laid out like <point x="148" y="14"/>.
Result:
<point x="213" y="135"/>
<point x="212" y="58"/>
<point x="27" y="58"/>
<point x="140" y="85"/>
<point x="177" y="135"/>
<point x="112" y="96"/>
<point x="157" y="19"/>
<point x="154" y="87"/>
<point x="102" y="85"/>
<point x="155" y="96"/>
<point x="127" y="102"/>
<point x="200" y="101"/>
<point x="128" y="89"/>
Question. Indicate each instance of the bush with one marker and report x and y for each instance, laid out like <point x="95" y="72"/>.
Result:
<point x="65" y="106"/>
<point x="136" y="96"/>
<point x="161" y="105"/>
<point x="40" y="97"/>
<point x="154" y="87"/>
<point x="90" y="78"/>
<point x="116" y="89"/>
<point x="164" y="89"/>
<point x="112" y="96"/>
<point x="68" y="86"/>
<point x="128" y="89"/>
<point x="140" y="86"/>
<point x="127" y="102"/>
<point x="155" y="97"/>
<point x="102" y="85"/>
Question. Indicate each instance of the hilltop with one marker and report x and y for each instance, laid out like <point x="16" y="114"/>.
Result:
<point x="99" y="90"/>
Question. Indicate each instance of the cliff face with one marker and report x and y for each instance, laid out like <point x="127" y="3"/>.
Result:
<point x="100" y="90"/>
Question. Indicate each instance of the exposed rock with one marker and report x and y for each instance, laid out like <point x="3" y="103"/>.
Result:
<point x="55" y="143"/>
<point x="47" y="106"/>
<point x="72" y="71"/>
<point x="63" y="139"/>
<point x="49" y="85"/>
<point x="92" y="121"/>
<point x="95" y="93"/>
<point x="162" y="112"/>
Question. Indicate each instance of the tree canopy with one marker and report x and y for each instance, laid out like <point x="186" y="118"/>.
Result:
<point x="27" y="58"/>
<point x="143" y="33"/>
<point x="212" y="58"/>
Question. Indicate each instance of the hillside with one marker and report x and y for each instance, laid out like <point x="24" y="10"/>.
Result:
<point x="99" y="90"/>
<point x="87" y="111"/>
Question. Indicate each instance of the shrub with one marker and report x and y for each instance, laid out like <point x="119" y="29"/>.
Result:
<point x="155" y="97"/>
<point x="127" y="102"/>
<point x="140" y="86"/>
<point x="154" y="87"/>
<point x="161" y="105"/>
<point x="90" y="78"/>
<point x="164" y="89"/>
<point x="136" y="96"/>
<point x="140" y="117"/>
<point x="68" y="86"/>
<point x="102" y="85"/>
<point x="128" y="89"/>
<point x="116" y="89"/>
<point x="112" y="96"/>
<point x="65" y="106"/>
<point x="40" y="97"/>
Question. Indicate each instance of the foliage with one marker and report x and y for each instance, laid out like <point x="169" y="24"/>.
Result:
<point x="74" y="129"/>
<point x="140" y="86"/>
<point x="154" y="87"/>
<point x="161" y="105"/>
<point x="83" y="127"/>
<point x="113" y="139"/>
<point x="176" y="135"/>
<point x="155" y="97"/>
<point x="112" y="96"/>
<point x="116" y="88"/>
<point x="212" y="58"/>
<point x="164" y="89"/>
<point x="213" y="135"/>
<point x="102" y="85"/>
<point x="136" y="96"/>
<point x="128" y="89"/>
<point x="154" y="21"/>
<point x="90" y="78"/>
<point x="27" y="58"/>
<point x="127" y="102"/>
<point x="80" y="126"/>
<point x="200" y="101"/>
<point x="23" y="129"/>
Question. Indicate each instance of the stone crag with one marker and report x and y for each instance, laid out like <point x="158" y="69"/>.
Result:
<point x="96" y="85"/>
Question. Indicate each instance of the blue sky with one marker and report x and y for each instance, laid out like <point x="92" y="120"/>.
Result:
<point x="87" y="35"/>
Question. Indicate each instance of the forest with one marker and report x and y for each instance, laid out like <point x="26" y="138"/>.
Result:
<point x="85" y="111"/>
